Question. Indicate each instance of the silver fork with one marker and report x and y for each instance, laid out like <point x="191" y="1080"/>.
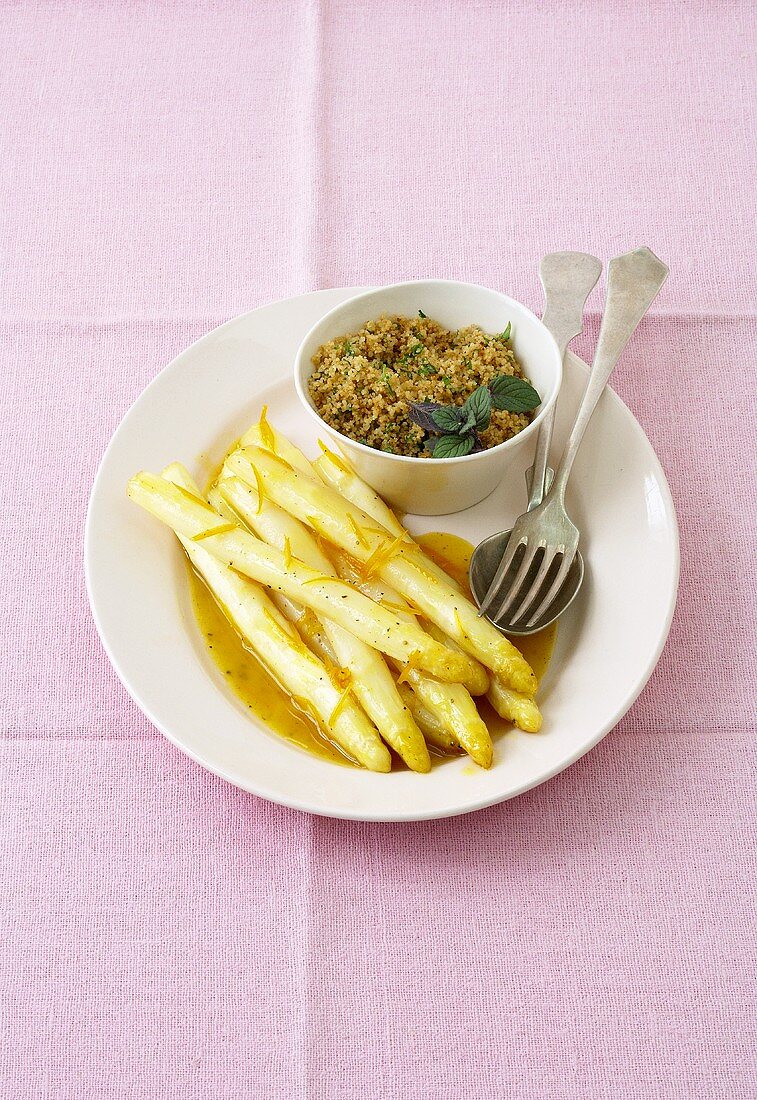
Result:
<point x="568" y="279"/>
<point x="546" y="537"/>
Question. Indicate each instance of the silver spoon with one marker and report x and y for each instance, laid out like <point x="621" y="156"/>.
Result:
<point x="568" y="279"/>
<point x="524" y="588"/>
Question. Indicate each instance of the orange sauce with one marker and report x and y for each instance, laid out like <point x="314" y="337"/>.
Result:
<point x="260" y="693"/>
<point x="251" y="682"/>
<point x="453" y="554"/>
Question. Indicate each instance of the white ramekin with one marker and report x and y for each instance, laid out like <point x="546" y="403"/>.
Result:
<point x="437" y="486"/>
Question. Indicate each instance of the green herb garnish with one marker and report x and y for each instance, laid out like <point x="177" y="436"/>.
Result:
<point x="458" y="423"/>
<point x="512" y="394"/>
<point x="447" y="418"/>
<point x="453" y="446"/>
<point x="458" y="427"/>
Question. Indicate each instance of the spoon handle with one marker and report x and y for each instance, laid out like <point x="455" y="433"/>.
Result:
<point x="633" y="281"/>
<point x="568" y="279"/>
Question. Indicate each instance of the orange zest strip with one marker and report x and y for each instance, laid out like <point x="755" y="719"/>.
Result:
<point x="412" y="664"/>
<point x="322" y="543"/>
<point x="287" y="552"/>
<point x="357" y="532"/>
<point x="340" y="677"/>
<point x="381" y="556"/>
<point x="335" y="458"/>
<point x="276" y="458"/>
<point x="340" y="706"/>
<point x="414" y="609"/>
<point x="266" y="432"/>
<point x="191" y="496"/>
<point x="222" y="529"/>
<point x="460" y="627"/>
<point x="291" y="637"/>
<point x="401" y="607"/>
<point x="417" y="563"/>
<point x="311" y="619"/>
<point x="308" y="623"/>
<point x="261" y="490"/>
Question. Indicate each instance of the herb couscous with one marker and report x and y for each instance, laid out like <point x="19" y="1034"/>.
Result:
<point x="381" y="385"/>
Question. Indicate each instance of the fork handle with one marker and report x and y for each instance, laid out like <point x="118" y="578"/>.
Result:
<point x="633" y="281"/>
<point x="568" y="279"/>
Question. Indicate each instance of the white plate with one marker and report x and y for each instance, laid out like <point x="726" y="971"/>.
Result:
<point x="608" y="643"/>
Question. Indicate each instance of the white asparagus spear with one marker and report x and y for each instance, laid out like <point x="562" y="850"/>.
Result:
<point x="372" y="681"/>
<point x="335" y="471"/>
<point x="477" y="682"/>
<point x="519" y="709"/>
<point x="454" y="705"/>
<point x="516" y="708"/>
<point x="307" y="622"/>
<point x="430" y="724"/>
<point x="195" y="519"/>
<point x="348" y="527"/>
<point x="449" y="706"/>
<point x="270" y="439"/>
<point x="279" y="647"/>
<point x="308" y="625"/>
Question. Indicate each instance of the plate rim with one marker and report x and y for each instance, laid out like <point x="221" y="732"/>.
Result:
<point x="292" y="802"/>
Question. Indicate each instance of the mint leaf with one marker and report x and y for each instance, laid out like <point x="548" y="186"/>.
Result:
<point x="468" y="424"/>
<point x="505" y="336"/>
<point x="421" y="414"/>
<point x="514" y="395"/>
<point x="478" y="407"/>
<point x="447" y="418"/>
<point x="453" y="446"/>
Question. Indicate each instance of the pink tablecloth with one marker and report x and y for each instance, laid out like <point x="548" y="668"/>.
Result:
<point x="162" y="934"/>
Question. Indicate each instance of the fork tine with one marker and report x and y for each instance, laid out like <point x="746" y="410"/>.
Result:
<point x="494" y="588"/>
<point x="514" y="588"/>
<point x="534" y="589"/>
<point x="560" y="578"/>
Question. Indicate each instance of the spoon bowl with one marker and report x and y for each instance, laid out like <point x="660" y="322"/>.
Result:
<point x="487" y="557"/>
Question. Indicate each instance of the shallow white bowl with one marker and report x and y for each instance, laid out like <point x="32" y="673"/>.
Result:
<point x="426" y="486"/>
<point x="608" y="641"/>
